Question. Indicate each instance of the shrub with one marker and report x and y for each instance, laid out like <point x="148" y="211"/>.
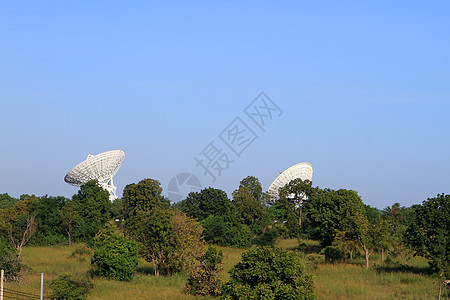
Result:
<point x="82" y="251"/>
<point x="333" y="254"/>
<point x="314" y="259"/>
<point x="116" y="258"/>
<point x="9" y="261"/>
<point x="269" y="273"/>
<point x="268" y="238"/>
<point x="204" y="280"/>
<point x="215" y="229"/>
<point x="66" y="287"/>
<point x="239" y="236"/>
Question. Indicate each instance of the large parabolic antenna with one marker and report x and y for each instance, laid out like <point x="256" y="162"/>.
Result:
<point x="302" y="170"/>
<point x="101" y="167"/>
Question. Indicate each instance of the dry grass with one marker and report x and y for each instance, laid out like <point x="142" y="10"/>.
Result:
<point x="332" y="281"/>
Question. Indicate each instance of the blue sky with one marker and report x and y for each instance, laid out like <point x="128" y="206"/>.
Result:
<point x="364" y="89"/>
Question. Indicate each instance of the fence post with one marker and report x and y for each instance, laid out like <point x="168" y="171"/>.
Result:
<point x="1" y="284"/>
<point x="42" y="286"/>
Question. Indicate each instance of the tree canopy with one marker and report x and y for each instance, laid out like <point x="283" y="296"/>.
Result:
<point x="143" y="196"/>
<point x="429" y="232"/>
<point x="209" y="201"/>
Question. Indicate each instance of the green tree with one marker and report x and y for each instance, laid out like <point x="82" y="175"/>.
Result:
<point x="93" y="205"/>
<point x="215" y="230"/>
<point x="69" y="218"/>
<point x="428" y="233"/>
<point x="249" y="209"/>
<point x="253" y="184"/>
<point x="9" y="260"/>
<point x="18" y="222"/>
<point x="269" y="273"/>
<point x="330" y="211"/>
<point x="294" y="195"/>
<point x="6" y="201"/>
<point x="158" y="243"/>
<point x="48" y="220"/>
<point x="209" y="201"/>
<point x="189" y="236"/>
<point x="204" y="280"/>
<point x="143" y="196"/>
<point x="115" y="257"/>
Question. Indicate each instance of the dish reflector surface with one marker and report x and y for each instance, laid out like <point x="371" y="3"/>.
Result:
<point x="101" y="167"/>
<point x="303" y="170"/>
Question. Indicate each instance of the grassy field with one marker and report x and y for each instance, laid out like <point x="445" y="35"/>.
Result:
<point x="332" y="281"/>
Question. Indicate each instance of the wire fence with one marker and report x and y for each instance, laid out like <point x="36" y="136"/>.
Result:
<point x="15" y="294"/>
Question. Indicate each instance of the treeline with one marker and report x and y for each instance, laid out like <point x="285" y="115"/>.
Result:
<point x="176" y="237"/>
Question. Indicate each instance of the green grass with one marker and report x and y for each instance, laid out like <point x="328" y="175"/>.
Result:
<point x="332" y="281"/>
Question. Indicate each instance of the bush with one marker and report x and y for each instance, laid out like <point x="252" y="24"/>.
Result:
<point x="9" y="261"/>
<point x="82" y="251"/>
<point x="116" y="258"/>
<point x="269" y="273"/>
<point x="268" y="238"/>
<point x="66" y="287"/>
<point x="314" y="259"/>
<point x="215" y="229"/>
<point x="333" y="254"/>
<point x="239" y="236"/>
<point x="204" y="280"/>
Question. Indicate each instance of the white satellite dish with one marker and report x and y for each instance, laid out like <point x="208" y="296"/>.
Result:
<point x="303" y="170"/>
<point x="101" y="167"/>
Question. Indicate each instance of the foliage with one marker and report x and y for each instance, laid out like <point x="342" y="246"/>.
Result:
<point x="143" y="196"/>
<point x="204" y="280"/>
<point x="158" y="242"/>
<point x="209" y="201"/>
<point x="429" y="230"/>
<point x="248" y="209"/>
<point x="219" y="232"/>
<point x="267" y="238"/>
<point x="69" y="218"/>
<point x="253" y="185"/>
<point x="238" y="235"/>
<point x="67" y="287"/>
<point x="81" y="252"/>
<point x="6" y="201"/>
<point x="189" y="236"/>
<point x="294" y="195"/>
<point x="330" y="210"/>
<point x="333" y="254"/>
<point x="48" y="220"/>
<point x="215" y="229"/>
<point x="9" y="260"/>
<point x="18" y="222"/>
<point x="115" y="257"/>
<point x="269" y="273"/>
<point x="117" y="211"/>
<point x="92" y="204"/>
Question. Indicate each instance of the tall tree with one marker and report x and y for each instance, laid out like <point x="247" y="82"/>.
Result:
<point x="6" y="201"/>
<point x="48" y="220"/>
<point x="209" y="201"/>
<point x="93" y="205"/>
<point x="253" y="184"/>
<point x="294" y="195"/>
<point x="429" y="232"/>
<point x="143" y="196"/>
<point x="19" y="222"/>
<point x="153" y="231"/>
<point x="249" y="209"/>
<point x="330" y="211"/>
<point x="69" y="218"/>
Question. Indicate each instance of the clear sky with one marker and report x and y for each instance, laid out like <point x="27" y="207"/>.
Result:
<point x="364" y="90"/>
